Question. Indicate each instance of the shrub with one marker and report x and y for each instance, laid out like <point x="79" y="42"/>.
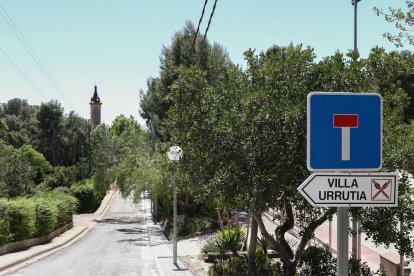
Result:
<point x="66" y="206"/>
<point x="233" y="266"/>
<point x="61" y="177"/>
<point x="226" y="240"/>
<point x="24" y="218"/>
<point x="5" y="235"/>
<point x="89" y="198"/>
<point x="189" y="225"/>
<point x="45" y="216"/>
<point x="21" y="218"/>
<point x="263" y="243"/>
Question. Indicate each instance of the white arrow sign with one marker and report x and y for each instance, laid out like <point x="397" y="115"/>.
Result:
<point x="353" y="190"/>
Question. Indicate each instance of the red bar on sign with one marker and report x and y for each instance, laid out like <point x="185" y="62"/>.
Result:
<point x="345" y="120"/>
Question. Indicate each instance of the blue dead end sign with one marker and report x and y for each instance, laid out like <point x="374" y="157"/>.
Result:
<point x="344" y="131"/>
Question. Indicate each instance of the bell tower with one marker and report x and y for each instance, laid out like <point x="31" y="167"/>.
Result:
<point x="95" y="108"/>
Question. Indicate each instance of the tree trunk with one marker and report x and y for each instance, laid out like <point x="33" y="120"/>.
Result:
<point x="290" y="269"/>
<point x="252" y="244"/>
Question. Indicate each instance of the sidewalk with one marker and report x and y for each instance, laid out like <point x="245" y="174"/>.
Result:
<point x="81" y="224"/>
<point x="161" y="247"/>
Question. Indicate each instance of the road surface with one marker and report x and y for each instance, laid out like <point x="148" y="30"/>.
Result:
<point x="117" y="245"/>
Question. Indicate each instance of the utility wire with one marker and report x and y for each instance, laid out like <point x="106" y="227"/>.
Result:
<point x="198" y="28"/>
<point x="33" y="55"/>
<point x="23" y="74"/>
<point x="209" y="21"/>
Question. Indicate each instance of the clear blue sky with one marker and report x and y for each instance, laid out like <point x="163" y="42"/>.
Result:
<point x="119" y="42"/>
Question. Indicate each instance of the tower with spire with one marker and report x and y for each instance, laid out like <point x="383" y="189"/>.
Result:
<point x="95" y="108"/>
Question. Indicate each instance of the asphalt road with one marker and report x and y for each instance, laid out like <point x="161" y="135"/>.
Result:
<point x="117" y="245"/>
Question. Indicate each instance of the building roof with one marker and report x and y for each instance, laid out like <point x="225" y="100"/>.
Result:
<point x="95" y="98"/>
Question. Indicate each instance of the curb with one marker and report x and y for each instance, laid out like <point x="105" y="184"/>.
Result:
<point x="82" y="230"/>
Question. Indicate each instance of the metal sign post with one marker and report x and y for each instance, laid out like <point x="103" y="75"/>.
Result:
<point x="342" y="241"/>
<point x="344" y="133"/>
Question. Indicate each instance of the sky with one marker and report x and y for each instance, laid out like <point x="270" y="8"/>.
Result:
<point x="117" y="44"/>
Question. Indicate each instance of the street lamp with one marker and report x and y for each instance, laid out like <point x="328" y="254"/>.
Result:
<point x="174" y="154"/>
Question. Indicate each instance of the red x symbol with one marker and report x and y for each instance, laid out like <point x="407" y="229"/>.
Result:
<point x="381" y="189"/>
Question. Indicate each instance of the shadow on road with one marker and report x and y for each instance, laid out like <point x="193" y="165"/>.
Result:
<point x="122" y="220"/>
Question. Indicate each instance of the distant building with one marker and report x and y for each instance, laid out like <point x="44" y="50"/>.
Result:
<point x="95" y="108"/>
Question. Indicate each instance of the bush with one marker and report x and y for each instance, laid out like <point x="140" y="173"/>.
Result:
<point x="61" y="177"/>
<point x="5" y="235"/>
<point x="66" y="206"/>
<point x="89" y="198"/>
<point x="24" y="218"/>
<point x="45" y="216"/>
<point x="189" y="225"/>
<point x="226" y="240"/>
<point x="318" y="261"/>
<point x="233" y="266"/>
<point x="21" y="213"/>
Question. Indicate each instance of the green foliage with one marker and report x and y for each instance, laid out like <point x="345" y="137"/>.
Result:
<point x="403" y="21"/>
<point x="89" y="198"/>
<point x="318" y="261"/>
<point x="49" y="119"/>
<point x="226" y="240"/>
<point x="45" y="216"/>
<point x="157" y="100"/>
<point x="24" y="218"/>
<point x="357" y="267"/>
<point x="16" y="173"/>
<point x="5" y="234"/>
<point x="263" y="244"/>
<point x="40" y="165"/>
<point x="21" y="213"/>
<point x="234" y="266"/>
<point x="18" y="124"/>
<point x="189" y="225"/>
<point x="64" y="204"/>
<point x="62" y="177"/>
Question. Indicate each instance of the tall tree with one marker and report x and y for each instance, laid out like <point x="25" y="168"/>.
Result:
<point x="50" y="118"/>
<point x="156" y="101"/>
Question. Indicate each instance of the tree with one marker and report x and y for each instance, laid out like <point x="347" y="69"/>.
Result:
<point x="40" y="166"/>
<point x="156" y="101"/>
<point x="73" y="139"/>
<point x="403" y="21"/>
<point x="246" y="141"/>
<point x="50" y="118"/>
<point x="16" y="174"/>
<point x="21" y="124"/>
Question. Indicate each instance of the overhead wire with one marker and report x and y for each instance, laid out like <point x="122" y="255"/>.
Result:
<point x="198" y="27"/>
<point x="209" y="21"/>
<point x="33" y="55"/>
<point x="23" y="74"/>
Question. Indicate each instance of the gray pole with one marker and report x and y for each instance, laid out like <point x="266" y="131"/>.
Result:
<point x="342" y="241"/>
<point x="355" y="226"/>
<point x="174" y="219"/>
<point x="355" y="24"/>
<point x="401" y="254"/>
<point x="330" y="234"/>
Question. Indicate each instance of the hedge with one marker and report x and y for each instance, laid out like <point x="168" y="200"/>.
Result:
<point x="25" y="218"/>
<point x="89" y="198"/>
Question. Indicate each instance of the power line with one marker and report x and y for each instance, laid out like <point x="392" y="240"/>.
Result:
<point x="33" y="55"/>
<point x="198" y="27"/>
<point x="209" y="21"/>
<point x="23" y="74"/>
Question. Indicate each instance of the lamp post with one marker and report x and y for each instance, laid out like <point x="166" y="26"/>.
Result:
<point x="174" y="154"/>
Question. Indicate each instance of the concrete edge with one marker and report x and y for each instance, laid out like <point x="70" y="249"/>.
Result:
<point x="99" y="213"/>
